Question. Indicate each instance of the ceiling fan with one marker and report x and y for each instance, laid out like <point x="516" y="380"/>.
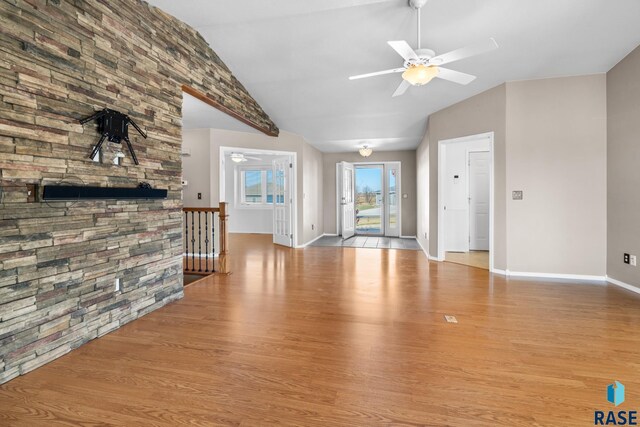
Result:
<point x="240" y="157"/>
<point x="422" y="65"/>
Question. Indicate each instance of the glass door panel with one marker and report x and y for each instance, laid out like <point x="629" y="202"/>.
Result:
<point x="369" y="200"/>
<point x="392" y="171"/>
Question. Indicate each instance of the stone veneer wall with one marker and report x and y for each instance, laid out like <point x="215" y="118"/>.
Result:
<point x="61" y="61"/>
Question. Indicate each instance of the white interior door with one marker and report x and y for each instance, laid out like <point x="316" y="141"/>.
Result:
<point x="282" y="193"/>
<point x="479" y="182"/>
<point x="456" y="200"/>
<point x="347" y="200"/>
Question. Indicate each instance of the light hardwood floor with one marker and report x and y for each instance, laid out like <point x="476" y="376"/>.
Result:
<point x="345" y="336"/>
<point x="478" y="259"/>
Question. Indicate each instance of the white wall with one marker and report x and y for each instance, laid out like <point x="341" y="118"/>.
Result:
<point x="312" y="193"/>
<point x="422" y="193"/>
<point x="456" y="194"/>
<point x="550" y="142"/>
<point x="195" y="168"/>
<point x="623" y="152"/>
<point x="557" y="154"/>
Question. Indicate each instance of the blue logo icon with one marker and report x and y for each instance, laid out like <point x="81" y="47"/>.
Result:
<point x="615" y="393"/>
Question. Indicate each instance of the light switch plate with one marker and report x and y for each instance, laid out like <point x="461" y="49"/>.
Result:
<point x="32" y="193"/>
<point x="633" y="260"/>
<point x="517" y="195"/>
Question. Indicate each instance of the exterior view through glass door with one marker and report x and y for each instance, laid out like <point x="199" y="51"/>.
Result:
<point x="369" y="199"/>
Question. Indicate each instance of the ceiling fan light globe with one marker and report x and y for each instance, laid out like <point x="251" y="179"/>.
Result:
<point x="419" y="75"/>
<point x="365" y="151"/>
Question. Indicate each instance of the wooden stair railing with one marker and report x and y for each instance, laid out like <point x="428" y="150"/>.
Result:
<point x="200" y="233"/>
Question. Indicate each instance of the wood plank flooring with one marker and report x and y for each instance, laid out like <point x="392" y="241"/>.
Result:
<point x="479" y="259"/>
<point x="348" y="337"/>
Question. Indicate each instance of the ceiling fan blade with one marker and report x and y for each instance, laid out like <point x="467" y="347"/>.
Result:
<point x="455" y="76"/>
<point x="404" y="50"/>
<point x="377" y="73"/>
<point x="402" y="88"/>
<point x="465" y="52"/>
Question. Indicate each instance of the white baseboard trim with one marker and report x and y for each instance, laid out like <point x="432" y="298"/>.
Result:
<point x="331" y="234"/>
<point x="623" y="285"/>
<point x="423" y="249"/>
<point x="304" y="245"/>
<point x="409" y="237"/>
<point x="583" y="277"/>
<point x="507" y="273"/>
<point x="426" y="252"/>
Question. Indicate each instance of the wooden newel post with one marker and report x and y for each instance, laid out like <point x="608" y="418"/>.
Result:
<point x="223" y="268"/>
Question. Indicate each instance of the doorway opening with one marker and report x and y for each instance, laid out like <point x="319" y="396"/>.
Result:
<point x="465" y="200"/>
<point x="259" y="188"/>
<point x="369" y="199"/>
<point x="368" y="202"/>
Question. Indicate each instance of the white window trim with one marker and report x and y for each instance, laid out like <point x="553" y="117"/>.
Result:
<point x="240" y="187"/>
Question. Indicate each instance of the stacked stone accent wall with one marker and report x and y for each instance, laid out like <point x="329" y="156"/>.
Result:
<point x="61" y="61"/>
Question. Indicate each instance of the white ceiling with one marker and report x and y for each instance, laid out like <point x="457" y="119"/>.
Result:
<point x="294" y="56"/>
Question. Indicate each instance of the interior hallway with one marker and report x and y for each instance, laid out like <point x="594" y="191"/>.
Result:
<point x="347" y="336"/>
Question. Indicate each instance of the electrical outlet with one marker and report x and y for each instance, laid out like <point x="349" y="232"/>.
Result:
<point x="632" y="259"/>
<point x="517" y="195"/>
<point x="627" y="258"/>
<point x="199" y="196"/>
<point x="117" y="287"/>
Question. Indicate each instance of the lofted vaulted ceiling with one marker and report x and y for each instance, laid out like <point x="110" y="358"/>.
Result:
<point x="294" y="56"/>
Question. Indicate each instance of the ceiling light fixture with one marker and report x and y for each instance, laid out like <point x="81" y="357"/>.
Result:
<point x="365" y="151"/>
<point x="422" y="65"/>
<point x="419" y="75"/>
<point x="238" y="157"/>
